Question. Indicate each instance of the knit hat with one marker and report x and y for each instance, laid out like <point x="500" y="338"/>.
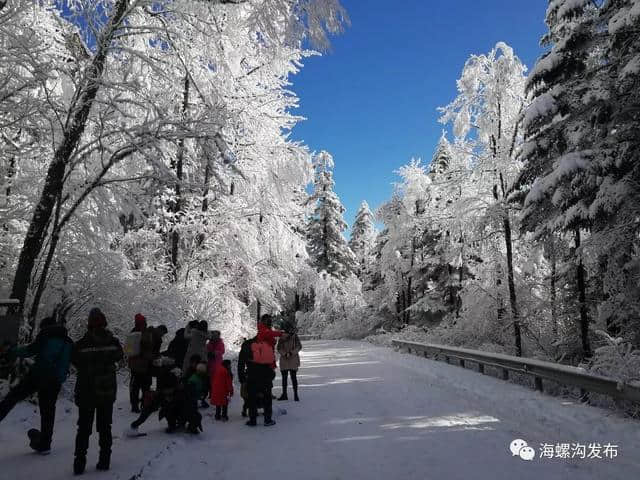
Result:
<point x="141" y="320"/>
<point x="47" y="322"/>
<point x="96" y="319"/>
<point x="267" y="319"/>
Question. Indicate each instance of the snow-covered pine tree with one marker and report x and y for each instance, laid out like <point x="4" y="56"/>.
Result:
<point x="363" y="236"/>
<point x="326" y="245"/>
<point x="616" y="202"/>
<point x="575" y="176"/>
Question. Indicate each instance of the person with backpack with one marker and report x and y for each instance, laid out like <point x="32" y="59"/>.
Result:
<point x="222" y="390"/>
<point x="140" y="358"/>
<point x="52" y="351"/>
<point x="95" y="357"/>
<point x="261" y="364"/>
<point x="289" y="347"/>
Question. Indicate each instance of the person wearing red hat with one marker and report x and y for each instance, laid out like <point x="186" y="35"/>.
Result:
<point x="140" y="365"/>
<point x="95" y="356"/>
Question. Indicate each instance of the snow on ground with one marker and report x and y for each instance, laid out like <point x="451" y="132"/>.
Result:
<point x="365" y="412"/>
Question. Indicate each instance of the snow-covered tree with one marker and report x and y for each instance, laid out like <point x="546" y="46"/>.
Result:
<point x="153" y="169"/>
<point x="363" y="235"/>
<point x="486" y="118"/>
<point x="327" y="246"/>
<point x="580" y="178"/>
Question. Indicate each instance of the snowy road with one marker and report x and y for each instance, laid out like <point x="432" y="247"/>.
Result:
<point x="366" y="413"/>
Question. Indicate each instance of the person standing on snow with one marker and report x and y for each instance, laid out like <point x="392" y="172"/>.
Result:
<point x="140" y="364"/>
<point x="95" y="356"/>
<point x="244" y="357"/>
<point x="215" y="352"/>
<point x="261" y="361"/>
<point x="177" y="348"/>
<point x="222" y="390"/>
<point x="52" y="351"/>
<point x="196" y="333"/>
<point x="289" y="348"/>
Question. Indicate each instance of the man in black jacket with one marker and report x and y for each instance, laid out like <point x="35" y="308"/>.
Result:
<point x="95" y="356"/>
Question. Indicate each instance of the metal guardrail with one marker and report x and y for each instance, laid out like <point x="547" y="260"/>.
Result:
<point x="562" y="374"/>
<point x="9" y="320"/>
<point x="309" y="337"/>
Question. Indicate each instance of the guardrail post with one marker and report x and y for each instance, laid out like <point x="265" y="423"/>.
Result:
<point x="462" y="363"/>
<point x="505" y="374"/>
<point x="481" y="368"/>
<point x="584" y="396"/>
<point x="538" y="384"/>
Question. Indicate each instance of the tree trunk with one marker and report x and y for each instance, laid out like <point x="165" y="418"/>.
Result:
<point x="553" y="292"/>
<point x="407" y="311"/>
<point x="177" y="204"/>
<point x="258" y="311"/>
<point x="512" y="289"/>
<point x="55" y="237"/>
<point x="53" y="184"/>
<point x="582" y="299"/>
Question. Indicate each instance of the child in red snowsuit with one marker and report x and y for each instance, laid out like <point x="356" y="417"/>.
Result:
<point x="222" y="390"/>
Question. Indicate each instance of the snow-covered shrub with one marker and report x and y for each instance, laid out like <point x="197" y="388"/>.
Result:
<point x="619" y="360"/>
<point x="339" y="309"/>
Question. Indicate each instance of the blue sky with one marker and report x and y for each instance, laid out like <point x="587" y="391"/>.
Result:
<point x="372" y="101"/>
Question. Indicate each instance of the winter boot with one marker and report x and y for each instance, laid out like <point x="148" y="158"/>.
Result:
<point x="36" y="442"/>
<point x="104" y="462"/>
<point x="296" y="398"/>
<point x="269" y="423"/>
<point x="251" y="423"/>
<point x="79" y="464"/>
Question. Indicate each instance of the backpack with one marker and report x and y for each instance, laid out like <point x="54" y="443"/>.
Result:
<point x="262" y="353"/>
<point x="132" y="344"/>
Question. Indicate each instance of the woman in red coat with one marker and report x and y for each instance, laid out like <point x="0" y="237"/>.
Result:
<point x="222" y="390"/>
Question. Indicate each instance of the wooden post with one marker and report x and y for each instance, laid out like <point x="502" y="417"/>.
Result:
<point x="505" y="374"/>
<point x="446" y="358"/>
<point x="481" y="368"/>
<point x="538" y="384"/>
<point x="462" y="363"/>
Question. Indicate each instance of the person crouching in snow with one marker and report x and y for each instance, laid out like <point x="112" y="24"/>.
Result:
<point x="222" y="390"/>
<point x="196" y="385"/>
<point x="164" y="399"/>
